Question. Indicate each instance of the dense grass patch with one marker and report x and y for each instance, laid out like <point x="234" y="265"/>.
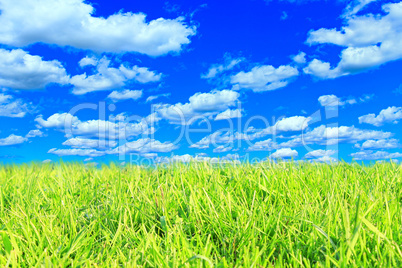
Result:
<point x="199" y="215"/>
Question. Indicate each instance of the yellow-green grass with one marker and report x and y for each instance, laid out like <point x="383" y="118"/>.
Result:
<point x="201" y="215"/>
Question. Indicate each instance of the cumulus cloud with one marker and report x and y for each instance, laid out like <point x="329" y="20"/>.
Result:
<point x="12" y="140"/>
<point x="322" y="135"/>
<point x="109" y="78"/>
<point x="10" y="107"/>
<point x="287" y="124"/>
<point x="85" y="143"/>
<point x="20" y="70"/>
<point x="200" y="104"/>
<point x="143" y="146"/>
<point x="379" y="144"/>
<point x="154" y="97"/>
<point x="264" y="78"/>
<point x="370" y="40"/>
<point x="389" y="115"/>
<point x="34" y="133"/>
<point x="216" y="69"/>
<point x="370" y="155"/>
<point x="333" y="100"/>
<point x="125" y="95"/>
<point x="186" y="158"/>
<point x="88" y="61"/>
<point x="57" y="120"/>
<point x="330" y="100"/>
<point x="355" y="6"/>
<point x="284" y="153"/>
<point x="300" y="58"/>
<point x="222" y="149"/>
<point x="72" y="23"/>
<point x="319" y="153"/>
<point x="229" y="113"/>
<point x="77" y="152"/>
<point x="119" y="127"/>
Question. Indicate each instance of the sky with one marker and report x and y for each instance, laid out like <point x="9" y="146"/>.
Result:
<point x="147" y="82"/>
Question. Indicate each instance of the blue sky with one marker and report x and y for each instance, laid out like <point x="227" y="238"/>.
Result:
<point x="158" y="81"/>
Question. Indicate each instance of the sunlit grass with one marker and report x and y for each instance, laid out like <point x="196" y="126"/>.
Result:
<point x="201" y="215"/>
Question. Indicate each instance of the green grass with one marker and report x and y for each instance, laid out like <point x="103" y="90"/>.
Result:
<point x="199" y="215"/>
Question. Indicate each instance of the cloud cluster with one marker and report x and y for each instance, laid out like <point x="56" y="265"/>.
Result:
<point x="217" y="69"/>
<point x="284" y="153"/>
<point x="10" y="107"/>
<point x="12" y="140"/>
<point x="120" y="127"/>
<point x="322" y="135"/>
<point x="109" y="78"/>
<point x="199" y="105"/>
<point x="389" y="115"/>
<point x="264" y="78"/>
<point x="370" y="155"/>
<point x="379" y="144"/>
<point x="287" y="124"/>
<point x="20" y="70"/>
<point x="126" y="94"/>
<point x="72" y="23"/>
<point x="370" y="40"/>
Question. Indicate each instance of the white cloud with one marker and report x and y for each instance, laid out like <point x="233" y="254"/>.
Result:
<point x="222" y="149"/>
<point x="71" y="23"/>
<point x="12" y="140"/>
<point x="325" y="159"/>
<point x="370" y="155"/>
<point x="323" y="135"/>
<point x="355" y="6"/>
<point x="300" y="58"/>
<point x="186" y="158"/>
<point x="76" y="152"/>
<point x="125" y="95"/>
<point x="13" y="108"/>
<point x="34" y="133"/>
<point x="264" y="78"/>
<point x="284" y="153"/>
<point x="320" y="154"/>
<point x="391" y="114"/>
<point x="57" y="120"/>
<point x="333" y="100"/>
<point x="265" y="145"/>
<point x="330" y="100"/>
<point x="288" y="124"/>
<point x="91" y="61"/>
<point x="85" y="143"/>
<point x="216" y="69"/>
<point x="379" y="144"/>
<point x="229" y="113"/>
<point x="121" y="126"/>
<point x="20" y="70"/>
<point x="200" y="104"/>
<point x="143" y="146"/>
<point x="108" y="78"/>
<point x="370" y="41"/>
<point x="152" y="98"/>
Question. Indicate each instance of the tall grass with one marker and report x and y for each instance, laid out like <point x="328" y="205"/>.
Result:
<point x="199" y="215"/>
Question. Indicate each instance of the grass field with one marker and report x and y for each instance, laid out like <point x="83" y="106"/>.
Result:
<point x="200" y="215"/>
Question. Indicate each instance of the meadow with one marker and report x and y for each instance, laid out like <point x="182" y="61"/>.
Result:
<point x="201" y="215"/>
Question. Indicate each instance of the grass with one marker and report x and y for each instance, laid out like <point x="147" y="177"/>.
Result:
<point x="199" y="215"/>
